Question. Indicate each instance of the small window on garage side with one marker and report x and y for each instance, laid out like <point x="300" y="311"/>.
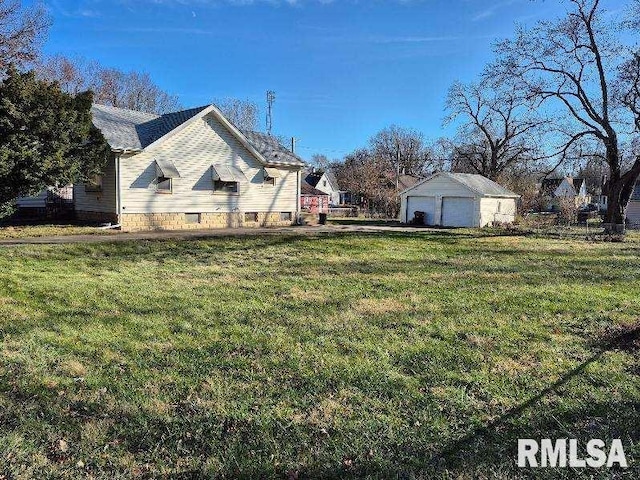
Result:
<point x="192" y="218"/>
<point x="499" y="207"/>
<point x="251" y="217"/>
<point x="285" y="216"/>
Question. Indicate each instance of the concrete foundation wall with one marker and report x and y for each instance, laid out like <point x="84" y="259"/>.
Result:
<point x="180" y="221"/>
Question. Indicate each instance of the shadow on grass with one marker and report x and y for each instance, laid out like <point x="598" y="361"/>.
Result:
<point x="496" y="442"/>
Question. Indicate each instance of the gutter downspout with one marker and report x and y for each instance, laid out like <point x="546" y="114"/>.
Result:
<point x="298" y="179"/>
<point x="118" y="197"/>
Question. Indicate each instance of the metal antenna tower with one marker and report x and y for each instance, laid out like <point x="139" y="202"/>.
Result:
<point x="271" y="98"/>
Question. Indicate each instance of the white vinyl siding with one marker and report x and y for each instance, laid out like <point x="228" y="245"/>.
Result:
<point x="633" y="213"/>
<point x="193" y="151"/>
<point x="501" y="210"/>
<point x="104" y="200"/>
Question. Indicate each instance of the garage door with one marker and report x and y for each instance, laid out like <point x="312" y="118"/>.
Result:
<point x="422" y="204"/>
<point x="457" y="212"/>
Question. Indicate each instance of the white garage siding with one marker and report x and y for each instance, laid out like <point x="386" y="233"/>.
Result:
<point x="422" y="204"/>
<point x="501" y="210"/>
<point x="460" y="200"/>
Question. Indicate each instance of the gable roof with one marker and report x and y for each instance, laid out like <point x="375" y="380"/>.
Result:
<point x="550" y="185"/>
<point x="132" y="131"/>
<point x="474" y="182"/>
<point x="407" y="181"/>
<point x="308" y="189"/>
<point x="313" y="177"/>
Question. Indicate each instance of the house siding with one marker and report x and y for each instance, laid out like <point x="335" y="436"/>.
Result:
<point x="633" y="213"/>
<point x="193" y="151"/>
<point x="98" y="206"/>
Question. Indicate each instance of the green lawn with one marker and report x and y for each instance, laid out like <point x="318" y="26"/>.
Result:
<point x="386" y="355"/>
<point x="47" y="230"/>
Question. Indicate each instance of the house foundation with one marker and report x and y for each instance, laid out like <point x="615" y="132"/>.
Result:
<point x="131" y="222"/>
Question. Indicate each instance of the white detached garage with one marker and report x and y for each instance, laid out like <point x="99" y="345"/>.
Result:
<point x="458" y="200"/>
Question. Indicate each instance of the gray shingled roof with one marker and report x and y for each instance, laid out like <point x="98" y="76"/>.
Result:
<point x="307" y="189"/>
<point x="482" y="185"/>
<point x="635" y="196"/>
<point x="130" y="130"/>
<point x="271" y="149"/>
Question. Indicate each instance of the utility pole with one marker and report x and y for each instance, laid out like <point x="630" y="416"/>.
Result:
<point x="293" y="144"/>
<point x="271" y="98"/>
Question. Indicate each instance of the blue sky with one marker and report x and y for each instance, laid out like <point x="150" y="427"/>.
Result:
<point x="341" y="69"/>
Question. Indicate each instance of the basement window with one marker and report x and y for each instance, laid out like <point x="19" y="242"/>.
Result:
<point x="285" y="216"/>
<point x="250" y="217"/>
<point x="192" y="218"/>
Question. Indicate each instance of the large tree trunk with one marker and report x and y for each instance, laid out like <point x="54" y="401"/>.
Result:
<point x="619" y="190"/>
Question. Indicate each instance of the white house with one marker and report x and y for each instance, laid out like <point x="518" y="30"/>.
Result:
<point x="189" y="169"/>
<point x="458" y="200"/>
<point x="325" y="181"/>
<point x="553" y="190"/>
<point x="633" y="208"/>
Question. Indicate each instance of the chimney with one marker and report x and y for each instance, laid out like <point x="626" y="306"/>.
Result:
<point x="293" y="144"/>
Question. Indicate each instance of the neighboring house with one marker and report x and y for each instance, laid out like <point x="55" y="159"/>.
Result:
<point x="458" y="200"/>
<point x="553" y="190"/>
<point x="325" y="181"/>
<point x="189" y="169"/>
<point x="313" y="200"/>
<point x="407" y="181"/>
<point x="633" y="208"/>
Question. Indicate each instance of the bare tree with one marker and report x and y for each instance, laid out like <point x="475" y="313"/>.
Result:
<point x="242" y="113"/>
<point x="113" y="87"/>
<point x="498" y="133"/>
<point x="22" y="31"/>
<point x="73" y="75"/>
<point x="402" y="150"/>
<point x="571" y="66"/>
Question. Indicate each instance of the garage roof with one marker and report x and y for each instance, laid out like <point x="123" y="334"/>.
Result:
<point x="477" y="183"/>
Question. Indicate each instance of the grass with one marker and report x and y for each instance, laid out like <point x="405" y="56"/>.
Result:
<point x="15" y="231"/>
<point x="384" y="355"/>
